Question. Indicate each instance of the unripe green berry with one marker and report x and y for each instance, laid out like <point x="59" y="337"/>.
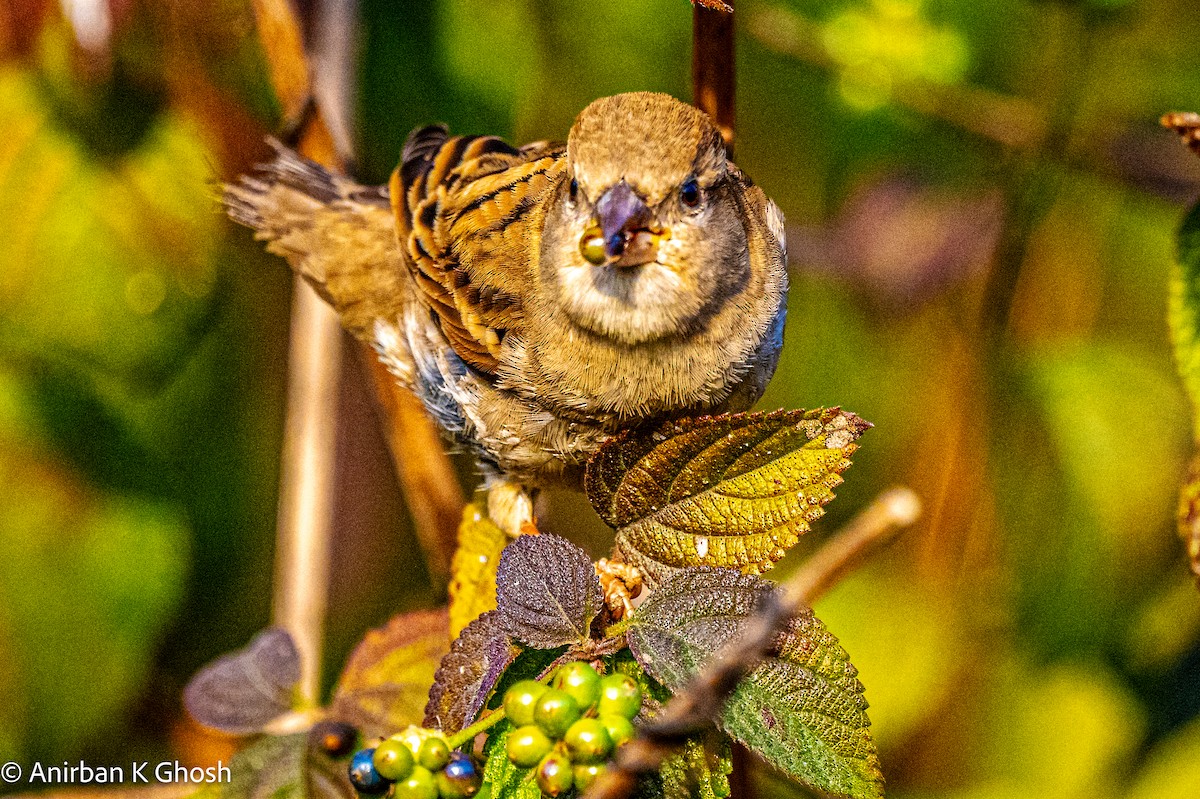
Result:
<point x="579" y="680"/>
<point x="393" y="759"/>
<point x="527" y="745"/>
<point x="434" y="754"/>
<point x="588" y="741"/>
<point x="620" y="695"/>
<point x="554" y="774"/>
<point x="619" y="729"/>
<point x="585" y="774"/>
<point x="519" y="701"/>
<point x="555" y="712"/>
<point x="419" y="785"/>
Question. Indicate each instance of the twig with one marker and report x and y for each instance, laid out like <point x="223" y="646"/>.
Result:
<point x="304" y="524"/>
<point x="1033" y="184"/>
<point x="280" y="33"/>
<point x="693" y="709"/>
<point x="713" y="73"/>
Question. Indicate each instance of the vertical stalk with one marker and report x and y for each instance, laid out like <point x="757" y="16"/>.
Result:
<point x="1034" y="178"/>
<point x="713" y="73"/>
<point x="434" y="498"/>
<point x="305" y="520"/>
<point x="714" y="86"/>
<point x="304" y="524"/>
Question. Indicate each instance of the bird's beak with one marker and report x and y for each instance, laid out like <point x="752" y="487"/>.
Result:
<point x="620" y="211"/>
<point x="623" y="216"/>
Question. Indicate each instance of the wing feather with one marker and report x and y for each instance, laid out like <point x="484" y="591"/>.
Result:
<point x="465" y="209"/>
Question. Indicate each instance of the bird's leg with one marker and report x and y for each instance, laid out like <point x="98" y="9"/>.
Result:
<point x="510" y="506"/>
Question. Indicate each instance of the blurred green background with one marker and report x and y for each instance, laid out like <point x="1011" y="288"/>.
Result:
<point x="981" y="210"/>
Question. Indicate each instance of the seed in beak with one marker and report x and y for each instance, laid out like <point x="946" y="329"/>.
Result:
<point x="591" y="246"/>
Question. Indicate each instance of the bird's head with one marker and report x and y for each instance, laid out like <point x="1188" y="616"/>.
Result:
<point x="643" y="236"/>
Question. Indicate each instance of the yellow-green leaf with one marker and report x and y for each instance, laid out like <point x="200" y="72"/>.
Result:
<point x="735" y="490"/>
<point x="1189" y="514"/>
<point x="696" y="772"/>
<point x="386" y="682"/>
<point x="473" y="569"/>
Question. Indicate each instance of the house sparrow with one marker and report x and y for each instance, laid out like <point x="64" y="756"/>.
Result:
<point x="539" y="299"/>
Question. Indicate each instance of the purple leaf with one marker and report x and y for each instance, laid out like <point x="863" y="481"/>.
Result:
<point x="468" y="673"/>
<point x="547" y="591"/>
<point x="243" y="691"/>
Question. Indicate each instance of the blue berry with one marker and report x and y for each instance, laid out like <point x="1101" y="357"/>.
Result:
<point x="363" y="775"/>
<point x="460" y="778"/>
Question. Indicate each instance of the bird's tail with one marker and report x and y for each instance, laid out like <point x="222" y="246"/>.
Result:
<point x="335" y="233"/>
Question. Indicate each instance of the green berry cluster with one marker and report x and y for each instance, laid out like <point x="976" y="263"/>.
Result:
<point x="415" y="764"/>
<point x="568" y="729"/>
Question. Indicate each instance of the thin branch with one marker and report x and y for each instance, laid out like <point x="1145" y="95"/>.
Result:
<point x="693" y="709"/>
<point x="713" y="73"/>
<point x="283" y="42"/>
<point x="1010" y="121"/>
<point x="305" y="519"/>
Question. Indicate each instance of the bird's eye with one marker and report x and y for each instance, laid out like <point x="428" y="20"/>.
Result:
<point x="689" y="193"/>
<point x="573" y="189"/>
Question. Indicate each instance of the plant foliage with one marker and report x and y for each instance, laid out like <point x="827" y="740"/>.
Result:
<point x="802" y="709"/>
<point x="735" y="490"/>
<point x="747" y="481"/>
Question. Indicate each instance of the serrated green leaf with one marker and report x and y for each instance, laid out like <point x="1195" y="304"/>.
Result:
<point x="473" y="569"/>
<point x="385" y="684"/>
<point x="696" y="772"/>
<point x="735" y="490"/>
<point x="1184" y="318"/>
<point x="503" y="778"/>
<point x="802" y="709"/>
<point x="467" y="674"/>
<point x="1188" y="515"/>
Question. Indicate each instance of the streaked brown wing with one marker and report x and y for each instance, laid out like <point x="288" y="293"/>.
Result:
<point x="465" y="209"/>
